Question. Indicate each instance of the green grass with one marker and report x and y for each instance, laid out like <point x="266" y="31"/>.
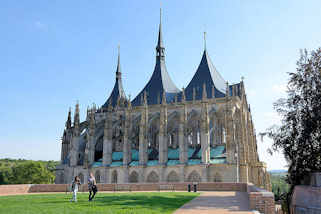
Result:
<point x="107" y="203"/>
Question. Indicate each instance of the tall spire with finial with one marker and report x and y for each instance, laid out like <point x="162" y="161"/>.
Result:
<point x="118" y="91"/>
<point x="118" y="70"/>
<point x="204" y="40"/>
<point x="160" y="49"/>
<point x="160" y="80"/>
<point x="207" y="74"/>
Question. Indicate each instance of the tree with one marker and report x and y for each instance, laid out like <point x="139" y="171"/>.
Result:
<point x="299" y="136"/>
<point x="32" y="173"/>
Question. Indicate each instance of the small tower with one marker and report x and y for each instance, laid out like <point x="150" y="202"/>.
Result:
<point x="204" y="94"/>
<point x="194" y="94"/>
<point x="183" y="95"/>
<point x="68" y="122"/>
<point x="76" y="121"/>
<point x="164" y="98"/>
<point x="145" y="98"/>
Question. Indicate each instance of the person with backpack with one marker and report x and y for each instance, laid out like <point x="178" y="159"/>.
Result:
<point x="92" y="187"/>
<point x="74" y="188"/>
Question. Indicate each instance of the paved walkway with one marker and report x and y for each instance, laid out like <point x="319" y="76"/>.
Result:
<point x="217" y="202"/>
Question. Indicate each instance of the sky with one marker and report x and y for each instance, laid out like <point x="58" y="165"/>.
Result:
<point x="53" y="53"/>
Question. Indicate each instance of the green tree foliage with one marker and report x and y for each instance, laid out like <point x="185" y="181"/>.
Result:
<point x="27" y="171"/>
<point x="279" y="185"/>
<point x="299" y="136"/>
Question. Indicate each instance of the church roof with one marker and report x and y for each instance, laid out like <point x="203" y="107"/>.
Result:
<point x="207" y="74"/>
<point x="160" y="81"/>
<point x="118" y="91"/>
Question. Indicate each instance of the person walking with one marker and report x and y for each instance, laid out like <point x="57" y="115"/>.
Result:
<point x="74" y="187"/>
<point x="92" y="187"/>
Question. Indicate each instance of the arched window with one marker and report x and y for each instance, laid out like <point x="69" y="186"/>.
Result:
<point x="133" y="178"/>
<point x="99" y="149"/>
<point x="172" y="177"/>
<point x="194" y="177"/>
<point x="152" y="177"/>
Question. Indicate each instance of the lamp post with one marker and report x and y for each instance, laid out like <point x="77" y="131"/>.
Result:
<point x="236" y="153"/>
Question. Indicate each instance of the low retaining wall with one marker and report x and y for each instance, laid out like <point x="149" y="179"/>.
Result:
<point x="241" y="187"/>
<point x="261" y="200"/>
<point x="14" y="189"/>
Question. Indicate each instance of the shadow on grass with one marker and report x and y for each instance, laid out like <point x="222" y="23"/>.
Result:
<point x="147" y="201"/>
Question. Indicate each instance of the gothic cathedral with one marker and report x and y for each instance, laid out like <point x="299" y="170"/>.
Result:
<point x="202" y="133"/>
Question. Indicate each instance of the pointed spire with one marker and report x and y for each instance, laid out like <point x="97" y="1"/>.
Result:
<point x="204" y="94"/>
<point x="183" y="95"/>
<point x="213" y="91"/>
<point x="88" y="113"/>
<point x="129" y="104"/>
<point x="92" y="122"/>
<point x="160" y="50"/>
<point x="204" y="40"/>
<point x="145" y="98"/>
<point x="110" y="106"/>
<point x="118" y="70"/>
<point x="164" y="98"/>
<point x="76" y="120"/>
<point x="227" y="90"/>
<point x="118" y="91"/>
<point x="160" y="80"/>
<point x="68" y="122"/>
<point x="160" y="35"/>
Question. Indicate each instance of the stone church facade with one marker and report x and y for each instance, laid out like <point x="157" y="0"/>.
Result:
<point x="201" y="133"/>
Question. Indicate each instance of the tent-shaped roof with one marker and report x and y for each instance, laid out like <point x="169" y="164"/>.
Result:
<point x="160" y="81"/>
<point x="207" y="74"/>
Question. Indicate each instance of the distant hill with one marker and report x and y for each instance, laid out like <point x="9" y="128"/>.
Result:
<point x="277" y="171"/>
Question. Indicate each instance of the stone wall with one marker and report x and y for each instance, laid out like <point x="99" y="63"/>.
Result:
<point x="306" y="200"/>
<point x="261" y="199"/>
<point x="14" y="189"/>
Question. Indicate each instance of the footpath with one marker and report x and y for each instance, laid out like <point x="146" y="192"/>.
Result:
<point x="217" y="202"/>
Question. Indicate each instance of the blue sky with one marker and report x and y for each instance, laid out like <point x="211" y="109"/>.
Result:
<point x="53" y="53"/>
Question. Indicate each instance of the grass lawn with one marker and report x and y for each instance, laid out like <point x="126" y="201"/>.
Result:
<point x="107" y="203"/>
